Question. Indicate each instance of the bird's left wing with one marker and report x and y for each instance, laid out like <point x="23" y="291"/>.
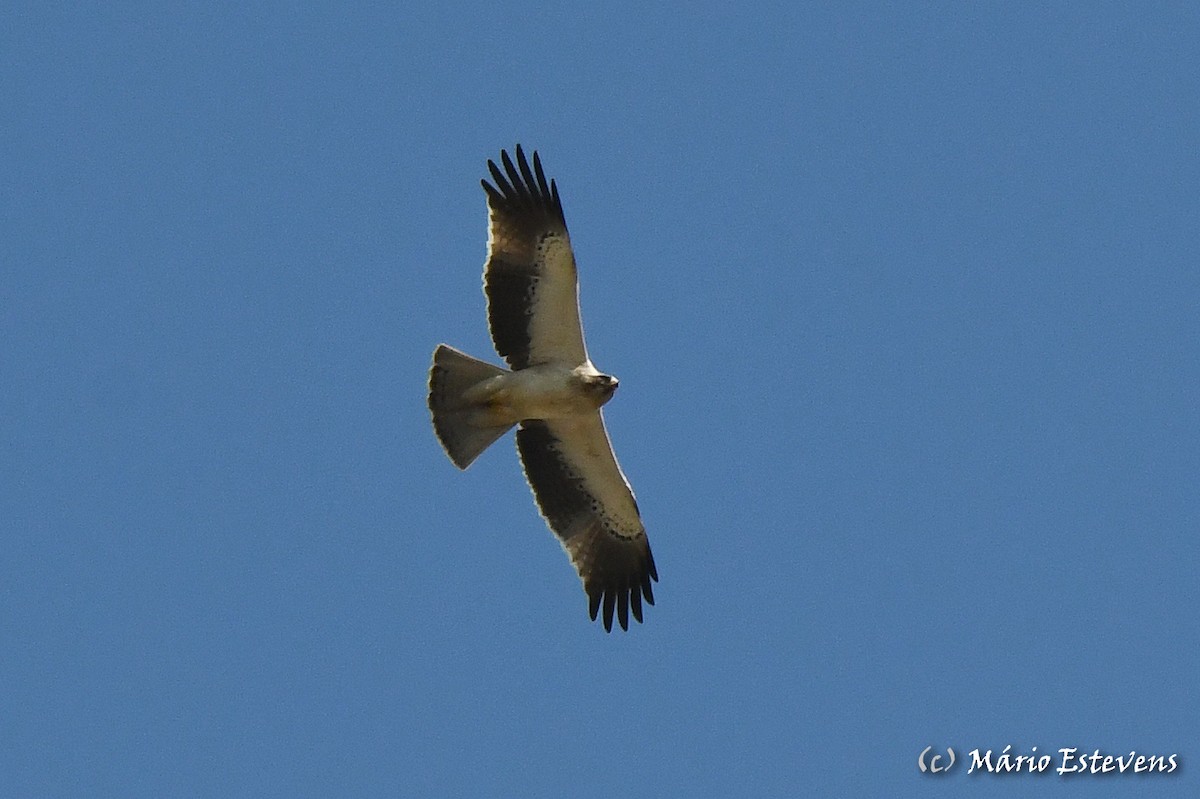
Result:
<point x="529" y="277"/>
<point x="587" y="502"/>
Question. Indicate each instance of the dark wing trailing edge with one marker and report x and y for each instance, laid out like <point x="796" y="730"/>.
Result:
<point x="529" y="277"/>
<point x="587" y="502"/>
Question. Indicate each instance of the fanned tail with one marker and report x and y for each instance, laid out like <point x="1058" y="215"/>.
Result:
<point x="460" y="426"/>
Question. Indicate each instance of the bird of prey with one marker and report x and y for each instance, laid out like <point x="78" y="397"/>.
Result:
<point x="551" y="390"/>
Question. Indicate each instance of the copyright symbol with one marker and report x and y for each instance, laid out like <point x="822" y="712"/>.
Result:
<point x="933" y="764"/>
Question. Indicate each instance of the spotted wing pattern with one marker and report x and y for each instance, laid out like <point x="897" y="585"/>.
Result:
<point x="584" y="497"/>
<point x="529" y="277"/>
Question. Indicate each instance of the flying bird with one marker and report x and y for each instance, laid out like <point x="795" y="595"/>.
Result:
<point x="551" y="390"/>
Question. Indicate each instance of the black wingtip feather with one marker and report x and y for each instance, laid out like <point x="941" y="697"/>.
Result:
<point x="610" y="600"/>
<point x="593" y="605"/>
<point x="502" y="187"/>
<point x="541" y="176"/>
<point x="526" y="173"/>
<point x="522" y="186"/>
<point x="513" y="180"/>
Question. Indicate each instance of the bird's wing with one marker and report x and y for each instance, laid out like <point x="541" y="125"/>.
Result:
<point x="587" y="502"/>
<point x="529" y="277"/>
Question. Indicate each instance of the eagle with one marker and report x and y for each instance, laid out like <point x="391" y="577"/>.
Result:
<point x="551" y="392"/>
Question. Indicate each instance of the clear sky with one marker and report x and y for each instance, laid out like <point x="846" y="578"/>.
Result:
<point x="905" y="303"/>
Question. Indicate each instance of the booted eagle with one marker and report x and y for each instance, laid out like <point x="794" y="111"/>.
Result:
<point x="551" y="390"/>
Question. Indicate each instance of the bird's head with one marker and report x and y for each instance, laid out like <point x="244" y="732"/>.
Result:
<point x="601" y="387"/>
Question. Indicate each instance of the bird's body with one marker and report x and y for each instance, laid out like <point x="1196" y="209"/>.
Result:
<point x="552" y="391"/>
<point x="546" y="391"/>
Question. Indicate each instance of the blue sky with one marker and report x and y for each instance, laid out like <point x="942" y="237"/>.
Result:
<point x="904" y="301"/>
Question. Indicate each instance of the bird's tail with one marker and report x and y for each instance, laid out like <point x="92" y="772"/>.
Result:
<point x="460" y="422"/>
